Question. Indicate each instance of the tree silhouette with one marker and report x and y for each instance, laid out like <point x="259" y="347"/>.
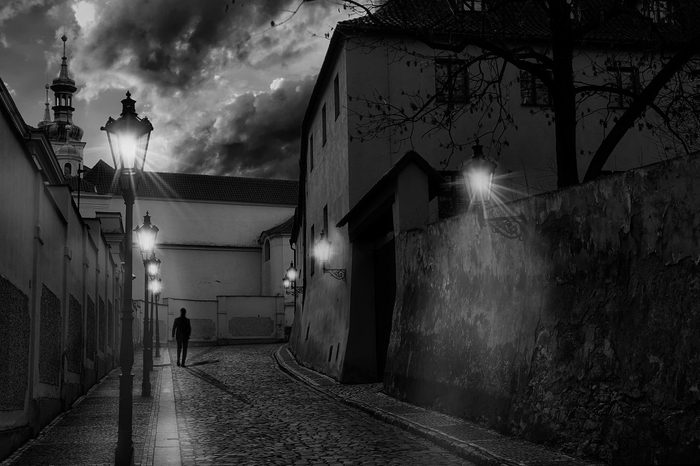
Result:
<point x="547" y="40"/>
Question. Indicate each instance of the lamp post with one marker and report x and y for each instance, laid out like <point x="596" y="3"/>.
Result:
<point x="289" y="281"/>
<point x="128" y="138"/>
<point x="322" y="251"/>
<point x="146" y="235"/>
<point x="156" y="286"/>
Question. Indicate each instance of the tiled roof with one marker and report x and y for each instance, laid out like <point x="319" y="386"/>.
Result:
<point x="504" y="20"/>
<point x="284" y="228"/>
<point x="197" y="187"/>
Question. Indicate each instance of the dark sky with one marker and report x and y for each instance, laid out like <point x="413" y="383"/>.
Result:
<point x="224" y="90"/>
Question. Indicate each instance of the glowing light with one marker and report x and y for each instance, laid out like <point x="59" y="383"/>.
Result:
<point x="480" y="182"/>
<point x="154" y="286"/>
<point x="126" y="145"/>
<point x="153" y="268"/>
<point x="322" y="250"/>
<point x="292" y="274"/>
<point x="286" y="283"/>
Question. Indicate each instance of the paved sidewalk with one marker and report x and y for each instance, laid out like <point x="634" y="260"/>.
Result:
<point x="87" y="432"/>
<point x="468" y="440"/>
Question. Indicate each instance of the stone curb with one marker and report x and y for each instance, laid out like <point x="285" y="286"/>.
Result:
<point x="465" y="449"/>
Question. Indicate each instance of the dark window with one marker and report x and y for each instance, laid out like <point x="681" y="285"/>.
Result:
<point x="659" y="11"/>
<point x="451" y="81"/>
<point x="267" y="250"/>
<point x="626" y="79"/>
<point x="533" y="91"/>
<point x="336" y="96"/>
<point x="325" y="220"/>
<point x="312" y="266"/>
<point x="470" y="5"/>
<point x="323" y="122"/>
<point x="311" y="152"/>
<point x="67" y="170"/>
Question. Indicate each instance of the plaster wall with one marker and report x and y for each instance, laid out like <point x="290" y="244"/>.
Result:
<point x="42" y="277"/>
<point x="581" y="332"/>
<point x="403" y="74"/>
<point x="323" y="323"/>
<point x="203" y="273"/>
<point x="250" y="317"/>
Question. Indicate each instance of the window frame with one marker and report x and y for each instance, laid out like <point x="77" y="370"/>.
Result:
<point x="535" y="87"/>
<point x="617" y="100"/>
<point x="324" y="124"/>
<point x="450" y="64"/>
<point x="336" y="95"/>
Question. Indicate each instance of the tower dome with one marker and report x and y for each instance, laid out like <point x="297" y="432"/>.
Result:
<point x="65" y="136"/>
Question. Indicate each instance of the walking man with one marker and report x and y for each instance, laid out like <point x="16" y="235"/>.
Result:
<point x="181" y="333"/>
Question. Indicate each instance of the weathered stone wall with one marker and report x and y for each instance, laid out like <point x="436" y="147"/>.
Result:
<point x="14" y="350"/>
<point x="582" y="332"/>
<point x="50" y="337"/>
<point x="74" y="341"/>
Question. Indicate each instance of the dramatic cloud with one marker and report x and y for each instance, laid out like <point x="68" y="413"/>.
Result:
<point x="255" y="135"/>
<point x="225" y="90"/>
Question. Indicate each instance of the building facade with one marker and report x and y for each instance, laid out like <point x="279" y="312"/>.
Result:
<point x="60" y="285"/>
<point x="364" y="137"/>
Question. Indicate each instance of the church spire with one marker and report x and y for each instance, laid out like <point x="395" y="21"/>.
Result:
<point x="47" y="111"/>
<point x="63" y="88"/>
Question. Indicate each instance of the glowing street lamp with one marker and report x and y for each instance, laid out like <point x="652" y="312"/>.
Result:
<point x="156" y="287"/>
<point x="146" y="235"/>
<point x="128" y="138"/>
<point x="290" y="281"/>
<point x="322" y="252"/>
<point x="478" y="172"/>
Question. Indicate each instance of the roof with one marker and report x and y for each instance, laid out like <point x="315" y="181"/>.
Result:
<point x="284" y="228"/>
<point x="195" y="187"/>
<point x="602" y="21"/>
<point x="387" y="180"/>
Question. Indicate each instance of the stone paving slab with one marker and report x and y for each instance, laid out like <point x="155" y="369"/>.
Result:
<point x="87" y="432"/>
<point x="470" y="441"/>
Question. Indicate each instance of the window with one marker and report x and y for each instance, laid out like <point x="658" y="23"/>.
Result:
<point x="336" y="96"/>
<point x="659" y="11"/>
<point x="323" y="123"/>
<point x="533" y="92"/>
<point x="267" y="250"/>
<point x="470" y="5"/>
<point x="312" y="259"/>
<point x="325" y="220"/>
<point x="67" y="170"/>
<point x="311" y="152"/>
<point x="451" y="81"/>
<point x="626" y="79"/>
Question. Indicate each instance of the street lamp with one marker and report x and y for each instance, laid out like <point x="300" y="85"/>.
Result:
<point x="146" y="235"/>
<point x="289" y="281"/>
<point x="128" y="138"/>
<point x="156" y="286"/>
<point x="322" y="251"/>
<point x="478" y="173"/>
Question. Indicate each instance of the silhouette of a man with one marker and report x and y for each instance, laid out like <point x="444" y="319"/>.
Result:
<point x="181" y="333"/>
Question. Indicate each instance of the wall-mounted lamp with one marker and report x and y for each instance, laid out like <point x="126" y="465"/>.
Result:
<point x="478" y="173"/>
<point x="289" y="281"/>
<point x="322" y="251"/>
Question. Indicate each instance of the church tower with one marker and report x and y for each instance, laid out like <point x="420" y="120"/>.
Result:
<point x="64" y="135"/>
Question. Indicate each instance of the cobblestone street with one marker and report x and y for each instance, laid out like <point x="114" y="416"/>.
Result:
<point x="234" y="406"/>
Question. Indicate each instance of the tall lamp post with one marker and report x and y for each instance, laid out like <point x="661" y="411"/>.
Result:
<point x="156" y="286"/>
<point x="146" y="235"/>
<point x="128" y="138"/>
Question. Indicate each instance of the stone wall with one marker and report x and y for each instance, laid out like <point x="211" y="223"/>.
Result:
<point x="14" y="350"/>
<point x="571" y="318"/>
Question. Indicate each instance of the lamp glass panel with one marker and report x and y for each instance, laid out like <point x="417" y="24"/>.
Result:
<point x="292" y="274"/>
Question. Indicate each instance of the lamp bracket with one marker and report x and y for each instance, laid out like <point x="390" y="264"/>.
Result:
<point x="338" y="274"/>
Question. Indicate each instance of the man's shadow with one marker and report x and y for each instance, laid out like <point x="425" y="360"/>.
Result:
<point x="202" y="363"/>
